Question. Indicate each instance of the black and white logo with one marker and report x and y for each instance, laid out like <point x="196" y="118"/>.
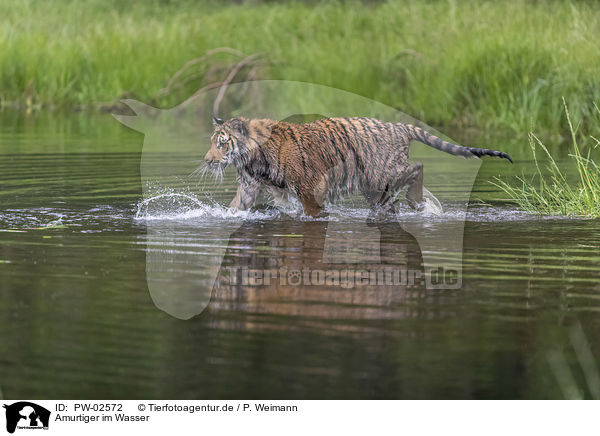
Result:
<point x="26" y="415"/>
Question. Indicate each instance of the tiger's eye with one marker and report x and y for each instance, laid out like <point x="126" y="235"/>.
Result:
<point x="221" y="141"/>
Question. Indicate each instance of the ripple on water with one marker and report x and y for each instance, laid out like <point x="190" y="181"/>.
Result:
<point x="186" y="206"/>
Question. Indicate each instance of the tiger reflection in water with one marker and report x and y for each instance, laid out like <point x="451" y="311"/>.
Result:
<point x="297" y="269"/>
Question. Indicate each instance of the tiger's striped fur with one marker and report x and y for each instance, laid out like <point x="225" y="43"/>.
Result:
<point x="325" y="159"/>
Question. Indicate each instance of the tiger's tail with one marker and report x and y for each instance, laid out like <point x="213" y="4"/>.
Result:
<point x="427" y="138"/>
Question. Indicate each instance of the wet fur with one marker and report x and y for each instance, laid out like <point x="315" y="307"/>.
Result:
<point x="325" y="159"/>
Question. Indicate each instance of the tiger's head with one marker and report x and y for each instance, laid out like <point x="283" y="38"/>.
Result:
<point x="227" y="143"/>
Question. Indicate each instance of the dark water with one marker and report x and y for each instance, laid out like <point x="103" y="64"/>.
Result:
<point x="78" y="318"/>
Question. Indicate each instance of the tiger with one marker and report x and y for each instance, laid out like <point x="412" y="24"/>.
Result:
<point x="323" y="160"/>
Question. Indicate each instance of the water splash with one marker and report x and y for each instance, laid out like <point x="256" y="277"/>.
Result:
<point x="166" y="203"/>
<point x="433" y="207"/>
<point x="185" y="206"/>
<point x="56" y="223"/>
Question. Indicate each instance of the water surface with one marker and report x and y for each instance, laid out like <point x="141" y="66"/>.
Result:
<point x="77" y="319"/>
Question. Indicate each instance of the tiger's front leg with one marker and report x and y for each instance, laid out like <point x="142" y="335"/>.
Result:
<point x="246" y="196"/>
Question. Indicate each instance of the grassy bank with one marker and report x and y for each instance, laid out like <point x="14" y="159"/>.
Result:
<point x="499" y="64"/>
<point x="550" y="192"/>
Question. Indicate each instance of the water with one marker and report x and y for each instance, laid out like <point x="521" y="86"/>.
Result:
<point x="77" y="319"/>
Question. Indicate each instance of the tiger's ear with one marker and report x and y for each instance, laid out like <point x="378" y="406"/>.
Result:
<point x="217" y="121"/>
<point x="239" y="125"/>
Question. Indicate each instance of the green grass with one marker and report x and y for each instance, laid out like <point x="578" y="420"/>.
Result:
<point x="550" y="193"/>
<point x="501" y="65"/>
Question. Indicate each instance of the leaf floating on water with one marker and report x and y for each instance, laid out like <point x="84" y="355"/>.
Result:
<point x="290" y="236"/>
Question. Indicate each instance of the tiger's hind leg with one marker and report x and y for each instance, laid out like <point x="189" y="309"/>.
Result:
<point x="414" y="194"/>
<point x="412" y="179"/>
